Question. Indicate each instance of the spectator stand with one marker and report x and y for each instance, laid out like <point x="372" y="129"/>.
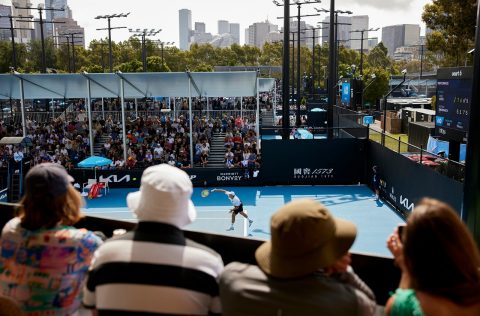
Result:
<point x="134" y="86"/>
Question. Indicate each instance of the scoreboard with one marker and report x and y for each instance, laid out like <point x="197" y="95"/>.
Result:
<point x="454" y="91"/>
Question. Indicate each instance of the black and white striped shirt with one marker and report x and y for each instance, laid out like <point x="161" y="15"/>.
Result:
<point x="154" y="270"/>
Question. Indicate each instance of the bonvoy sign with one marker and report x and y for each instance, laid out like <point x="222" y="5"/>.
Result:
<point x="230" y="176"/>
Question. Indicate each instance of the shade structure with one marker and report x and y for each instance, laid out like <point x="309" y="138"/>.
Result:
<point x="94" y="161"/>
<point x="137" y="85"/>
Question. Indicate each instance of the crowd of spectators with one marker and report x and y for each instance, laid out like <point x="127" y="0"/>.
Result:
<point x="157" y="138"/>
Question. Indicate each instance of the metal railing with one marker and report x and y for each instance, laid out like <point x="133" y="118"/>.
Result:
<point x="450" y="168"/>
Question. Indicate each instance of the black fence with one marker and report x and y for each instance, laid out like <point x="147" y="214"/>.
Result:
<point x="403" y="182"/>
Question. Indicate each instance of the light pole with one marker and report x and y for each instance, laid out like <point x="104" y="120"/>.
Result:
<point x="332" y="61"/>
<point x="161" y="45"/>
<point x="404" y="72"/>
<point x="41" y="21"/>
<point x="109" y="28"/>
<point x="143" y="34"/>
<point x="361" y="44"/>
<point x="299" y="5"/>
<point x="12" y="34"/>
<point x="72" y="37"/>
<point x="313" y="38"/>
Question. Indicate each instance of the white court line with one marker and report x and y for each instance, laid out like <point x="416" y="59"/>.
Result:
<point x="245" y="225"/>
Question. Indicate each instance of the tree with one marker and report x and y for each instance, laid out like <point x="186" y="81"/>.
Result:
<point x="378" y="87"/>
<point x="203" y="67"/>
<point x="154" y="64"/>
<point x="271" y="54"/>
<point x="6" y="55"/>
<point x="92" y="69"/>
<point x="132" y="66"/>
<point x="34" y="62"/>
<point x="453" y="24"/>
<point x="378" y="57"/>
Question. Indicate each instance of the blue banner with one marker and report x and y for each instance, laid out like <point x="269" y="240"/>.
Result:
<point x="346" y="93"/>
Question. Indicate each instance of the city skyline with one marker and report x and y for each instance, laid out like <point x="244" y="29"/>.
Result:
<point x="151" y="14"/>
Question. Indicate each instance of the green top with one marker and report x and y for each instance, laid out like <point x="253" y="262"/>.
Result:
<point x="406" y="304"/>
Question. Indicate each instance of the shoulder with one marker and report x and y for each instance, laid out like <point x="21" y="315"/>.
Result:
<point x="236" y="272"/>
<point x="404" y="302"/>
<point x="204" y="250"/>
<point x="12" y="228"/>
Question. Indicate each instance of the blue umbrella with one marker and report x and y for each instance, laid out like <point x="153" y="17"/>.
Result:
<point x="93" y="162"/>
<point x="303" y="134"/>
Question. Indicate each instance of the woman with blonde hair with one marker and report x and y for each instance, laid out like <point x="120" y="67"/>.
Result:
<point x="440" y="264"/>
<point x="43" y="259"/>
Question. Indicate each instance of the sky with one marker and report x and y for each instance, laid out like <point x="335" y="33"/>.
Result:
<point x="163" y="14"/>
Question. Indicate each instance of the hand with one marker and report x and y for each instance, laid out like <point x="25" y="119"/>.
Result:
<point x="395" y="245"/>
<point x="213" y="190"/>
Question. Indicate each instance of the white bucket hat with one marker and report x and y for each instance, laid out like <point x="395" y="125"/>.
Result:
<point x="164" y="196"/>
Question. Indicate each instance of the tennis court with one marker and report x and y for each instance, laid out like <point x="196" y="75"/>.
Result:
<point x="374" y="219"/>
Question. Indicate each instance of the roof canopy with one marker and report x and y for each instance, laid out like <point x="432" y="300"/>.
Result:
<point x="136" y="85"/>
<point x="24" y="141"/>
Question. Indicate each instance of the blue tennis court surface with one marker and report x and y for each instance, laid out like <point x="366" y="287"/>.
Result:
<point x="374" y="220"/>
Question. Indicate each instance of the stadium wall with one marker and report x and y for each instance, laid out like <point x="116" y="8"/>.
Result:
<point x="404" y="182"/>
<point x="313" y="161"/>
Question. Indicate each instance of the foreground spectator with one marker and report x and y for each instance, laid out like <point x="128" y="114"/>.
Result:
<point x="43" y="260"/>
<point x="304" y="269"/>
<point x="440" y="264"/>
<point x="153" y="269"/>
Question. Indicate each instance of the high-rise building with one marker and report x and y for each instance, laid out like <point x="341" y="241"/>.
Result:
<point x="23" y="36"/>
<point x="235" y="32"/>
<point x="343" y="30"/>
<point x="51" y="15"/>
<point x="223" y="27"/>
<point x="68" y="25"/>
<point x="5" y="11"/>
<point x="395" y="36"/>
<point x="200" y="27"/>
<point x="372" y="42"/>
<point x="258" y="32"/>
<point x="359" y="22"/>
<point x="185" y="28"/>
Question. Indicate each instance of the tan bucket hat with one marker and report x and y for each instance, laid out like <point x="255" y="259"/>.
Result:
<point x="305" y="238"/>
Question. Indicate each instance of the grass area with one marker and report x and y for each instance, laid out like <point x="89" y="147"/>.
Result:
<point x="391" y="140"/>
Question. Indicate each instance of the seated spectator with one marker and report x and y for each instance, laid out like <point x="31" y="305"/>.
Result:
<point x="304" y="269"/>
<point x="439" y="262"/>
<point x="43" y="259"/>
<point x="153" y="269"/>
<point x="204" y="159"/>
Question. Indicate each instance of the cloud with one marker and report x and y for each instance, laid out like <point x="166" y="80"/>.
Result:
<point x="381" y="4"/>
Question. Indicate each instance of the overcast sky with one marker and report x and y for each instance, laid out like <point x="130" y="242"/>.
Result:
<point x="163" y="14"/>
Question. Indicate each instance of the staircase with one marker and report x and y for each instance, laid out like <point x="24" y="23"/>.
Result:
<point x="98" y="146"/>
<point x="15" y="187"/>
<point x="267" y="118"/>
<point x="216" y="159"/>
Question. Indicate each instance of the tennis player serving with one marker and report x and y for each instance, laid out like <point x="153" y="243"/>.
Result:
<point x="237" y="207"/>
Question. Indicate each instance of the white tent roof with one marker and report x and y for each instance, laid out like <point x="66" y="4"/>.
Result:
<point x="266" y="84"/>
<point x="136" y="85"/>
